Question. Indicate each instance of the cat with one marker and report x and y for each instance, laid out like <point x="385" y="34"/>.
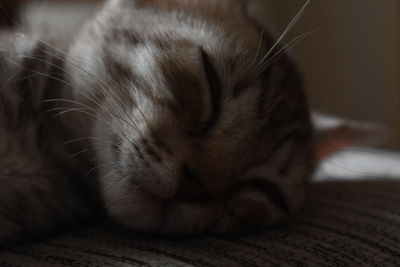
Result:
<point x="166" y="116"/>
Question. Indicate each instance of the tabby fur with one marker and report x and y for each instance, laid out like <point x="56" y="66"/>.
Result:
<point x="175" y="117"/>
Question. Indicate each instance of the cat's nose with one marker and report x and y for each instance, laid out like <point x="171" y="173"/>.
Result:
<point x="191" y="189"/>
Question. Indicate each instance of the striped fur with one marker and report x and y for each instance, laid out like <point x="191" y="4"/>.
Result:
<point x="165" y="113"/>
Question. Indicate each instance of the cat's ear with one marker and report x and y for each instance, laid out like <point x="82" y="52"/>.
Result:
<point x="333" y="134"/>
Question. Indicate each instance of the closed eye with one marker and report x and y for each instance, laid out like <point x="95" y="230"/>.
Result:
<point x="214" y="87"/>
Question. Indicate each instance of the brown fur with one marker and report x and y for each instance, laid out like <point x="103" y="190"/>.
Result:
<point x="169" y="115"/>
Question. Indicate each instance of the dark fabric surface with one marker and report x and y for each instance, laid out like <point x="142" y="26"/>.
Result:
<point x="342" y="224"/>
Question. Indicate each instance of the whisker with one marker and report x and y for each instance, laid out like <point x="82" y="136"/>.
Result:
<point x="95" y="113"/>
<point x="110" y="96"/>
<point x="87" y="138"/>
<point x="285" y="48"/>
<point x="10" y="79"/>
<point x="43" y="73"/>
<point x="290" y="26"/>
<point x="258" y="50"/>
<point x="103" y="85"/>
<point x="101" y="165"/>
<point x="293" y="42"/>
<point x="81" y="110"/>
<point x="53" y="77"/>
<point x="89" y="108"/>
<point x="80" y="152"/>
<point x="4" y="11"/>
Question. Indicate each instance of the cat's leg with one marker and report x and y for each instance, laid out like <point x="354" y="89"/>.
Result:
<point x="38" y="194"/>
<point x="35" y="204"/>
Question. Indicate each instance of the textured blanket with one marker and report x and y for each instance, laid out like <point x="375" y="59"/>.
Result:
<point x="344" y="223"/>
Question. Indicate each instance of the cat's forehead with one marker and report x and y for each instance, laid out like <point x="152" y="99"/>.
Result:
<point x="163" y="51"/>
<point x="211" y="24"/>
<point x="178" y="46"/>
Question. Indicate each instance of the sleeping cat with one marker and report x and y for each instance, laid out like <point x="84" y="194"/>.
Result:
<point x="167" y="116"/>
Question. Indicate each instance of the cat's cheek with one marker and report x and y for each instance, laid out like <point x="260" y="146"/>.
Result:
<point x="158" y="180"/>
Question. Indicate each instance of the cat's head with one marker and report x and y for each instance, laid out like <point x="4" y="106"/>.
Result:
<point x="197" y="126"/>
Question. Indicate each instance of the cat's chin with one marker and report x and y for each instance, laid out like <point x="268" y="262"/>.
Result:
<point x="145" y="213"/>
<point x="138" y="210"/>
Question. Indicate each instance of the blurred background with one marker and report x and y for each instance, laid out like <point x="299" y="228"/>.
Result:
<point x="351" y="61"/>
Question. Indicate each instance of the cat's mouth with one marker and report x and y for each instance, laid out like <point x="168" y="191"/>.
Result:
<point x="193" y="212"/>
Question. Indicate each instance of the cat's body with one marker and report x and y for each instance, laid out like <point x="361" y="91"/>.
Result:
<point x="184" y="123"/>
<point x="39" y="188"/>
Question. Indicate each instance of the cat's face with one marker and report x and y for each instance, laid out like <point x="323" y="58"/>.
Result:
<point x="197" y="136"/>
